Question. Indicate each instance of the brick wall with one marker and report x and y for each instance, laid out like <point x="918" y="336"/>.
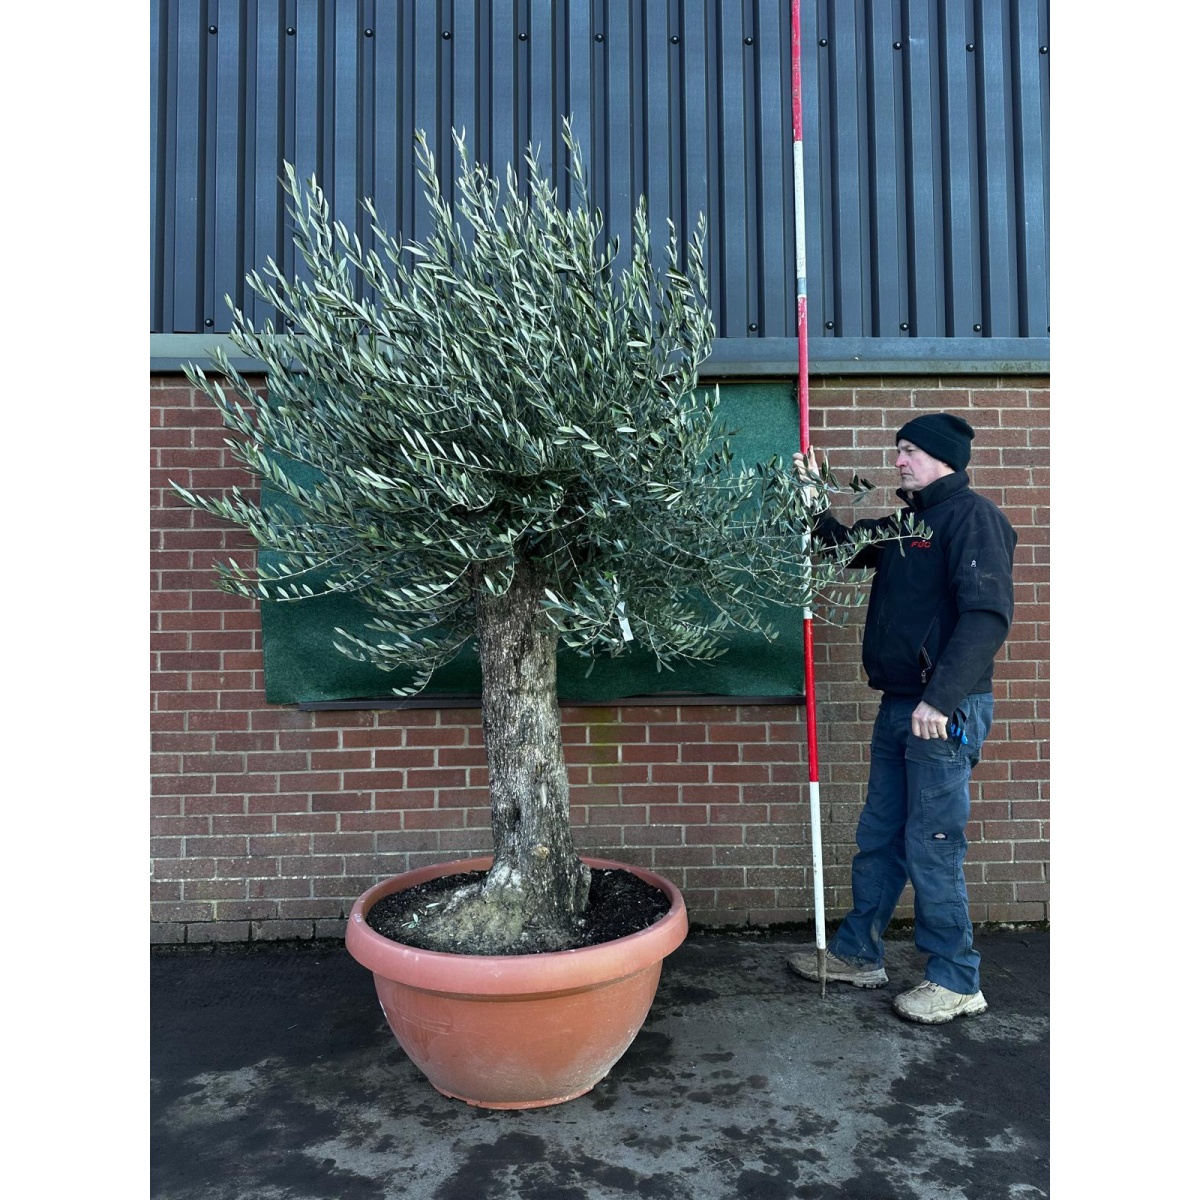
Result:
<point x="267" y="822"/>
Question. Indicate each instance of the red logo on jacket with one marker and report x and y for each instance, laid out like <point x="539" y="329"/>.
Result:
<point x="920" y="544"/>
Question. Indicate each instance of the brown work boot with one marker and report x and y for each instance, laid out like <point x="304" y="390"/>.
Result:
<point x="837" y="970"/>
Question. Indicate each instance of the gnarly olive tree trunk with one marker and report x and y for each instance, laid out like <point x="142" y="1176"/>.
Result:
<point x="537" y="888"/>
<point x="522" y="734"/>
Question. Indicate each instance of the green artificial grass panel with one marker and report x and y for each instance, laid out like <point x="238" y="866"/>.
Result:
<point x="302" y="666"/>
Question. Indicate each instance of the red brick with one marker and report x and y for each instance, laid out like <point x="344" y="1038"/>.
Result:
<point x="247" y="868"/>
<point x="169" y="911"/>
<point x="741" y="773"/>
<point x="688" y="814"/>
<point x="437" y="736"/>
<point x="308" y="909"/>
<point x="1025" y="872"/>
<point x="653" y="835"/>
<point x="278" y="844"/>
<point x="680" y="773"/>
<point x="317" y="822"/>
<point x="236" y="741"/>
<point x="621" y="773"/>
<point x="657" y="754"/>
<point x="583" y="754"/>
<point x="437" y="818"/>
<point x="343" y="844"/>
<point x="739" y="814"/>
<point x="241" y="824"/>
<point x="241" y="784"/>
<point x="439" y="777"/>
<point x="683" y="856"/>
<point x="472" y="799"/>
<point x="195" y="805"/>
<point x="678" y="734"/>
<point x="184" y="868"/>
<point x="406" y="798"/>
<point x="338" y="760"/>
<point x="278" y="889"/>
<point x="398" y="759"/>
<point x="282" y="802"/>
<point x="307" y="739"/>
<point x="714" y="877"/>
<point x="710" y="753"/>
<point x="451" y="756"/>
<point x="330" y="802"/>
<point x="1011" y="830"/>
<point x="737" y="733"/>
<point x="616" y="815"/>
<point x="360" y="821"/>
<point x="725" y="793"/>
<point x="215" y="889"/>
<point x="1017" y="913"/>
<point x="217" y="721"/>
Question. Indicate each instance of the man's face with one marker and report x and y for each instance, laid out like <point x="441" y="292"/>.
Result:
<point x="918" y="469"/>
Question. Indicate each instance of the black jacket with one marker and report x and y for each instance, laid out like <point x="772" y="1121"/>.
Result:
<point x="941" y="607"/>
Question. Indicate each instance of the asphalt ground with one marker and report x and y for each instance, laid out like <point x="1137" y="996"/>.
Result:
<point x="275" y="1077"/>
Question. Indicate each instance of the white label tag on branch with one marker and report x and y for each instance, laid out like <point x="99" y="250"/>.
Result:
<point x="626" y="632"/>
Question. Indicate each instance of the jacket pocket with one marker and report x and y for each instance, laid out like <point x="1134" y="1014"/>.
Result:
<point x="927" y="653"/>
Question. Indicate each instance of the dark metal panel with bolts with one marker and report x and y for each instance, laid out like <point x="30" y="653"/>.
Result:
<point x="926" y="155"/>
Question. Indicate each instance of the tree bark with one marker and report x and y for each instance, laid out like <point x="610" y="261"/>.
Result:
<point x="536" y="892"/>
<point x="537" y="872"/>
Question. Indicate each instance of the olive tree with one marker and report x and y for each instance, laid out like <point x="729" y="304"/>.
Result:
<point x="503" y="438"/>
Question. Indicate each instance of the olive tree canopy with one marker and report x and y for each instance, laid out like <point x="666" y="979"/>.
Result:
<point x="501" y="436"/>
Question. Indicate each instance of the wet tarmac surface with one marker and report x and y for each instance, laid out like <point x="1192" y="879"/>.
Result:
<point x="275" y="1077"/>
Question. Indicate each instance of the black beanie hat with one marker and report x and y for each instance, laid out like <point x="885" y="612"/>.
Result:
<point x="943" y="435"/>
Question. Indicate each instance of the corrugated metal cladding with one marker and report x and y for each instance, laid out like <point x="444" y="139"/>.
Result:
<point x="925" y="150"/>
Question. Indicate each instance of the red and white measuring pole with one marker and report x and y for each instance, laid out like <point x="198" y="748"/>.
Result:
<point x="810" y="695"/>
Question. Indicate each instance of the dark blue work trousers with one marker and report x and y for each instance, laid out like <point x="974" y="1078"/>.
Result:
<point x="913" y="826"/>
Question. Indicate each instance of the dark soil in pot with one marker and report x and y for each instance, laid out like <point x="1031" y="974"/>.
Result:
<point x="619" y="903"/>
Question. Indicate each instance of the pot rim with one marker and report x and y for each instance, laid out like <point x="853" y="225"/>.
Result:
<point x="512" y="974"/>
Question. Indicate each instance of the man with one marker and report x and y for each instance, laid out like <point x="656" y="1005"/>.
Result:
<point x="940" y="609"/>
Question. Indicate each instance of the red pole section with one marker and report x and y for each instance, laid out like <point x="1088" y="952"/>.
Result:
<point x="798" y="203"/>
<point x="810" y="706"/>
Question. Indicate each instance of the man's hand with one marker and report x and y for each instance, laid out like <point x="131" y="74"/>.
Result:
<point x="928" y="723"/>
<point x="806" y="464"/>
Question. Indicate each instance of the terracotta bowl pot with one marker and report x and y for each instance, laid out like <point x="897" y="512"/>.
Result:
<point x="515" y="1031"/>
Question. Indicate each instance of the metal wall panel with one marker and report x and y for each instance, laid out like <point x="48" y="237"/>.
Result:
<point x="926" y="142"/>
